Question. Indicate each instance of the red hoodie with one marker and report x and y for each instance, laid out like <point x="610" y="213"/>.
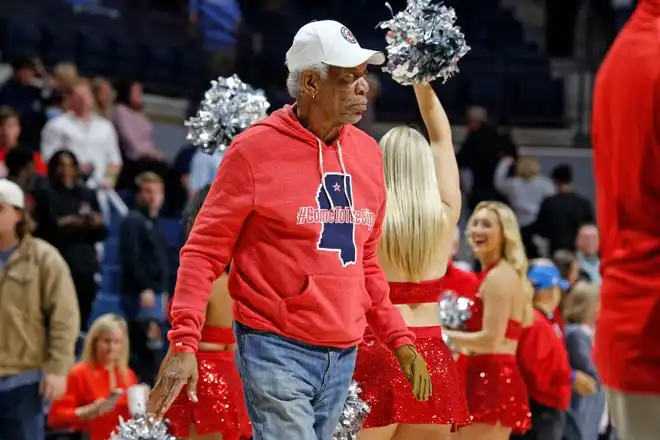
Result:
<point x="626" y="141"/>
<point x="543" y="361"/>
<point x="300" y="222"/>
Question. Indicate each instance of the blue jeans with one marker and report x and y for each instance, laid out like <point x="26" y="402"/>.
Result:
<point x="22" y="413"/>
<point x="293" y="390"/>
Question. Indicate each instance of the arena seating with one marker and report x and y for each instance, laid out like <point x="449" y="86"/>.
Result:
<point x="152" y="49"/>
<point x="503" y="73"/>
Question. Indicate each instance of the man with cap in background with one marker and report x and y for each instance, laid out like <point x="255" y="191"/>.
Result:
<point x="543" y="359"/>
<point x="297" y="206"/>
<point x="39" y="321"/>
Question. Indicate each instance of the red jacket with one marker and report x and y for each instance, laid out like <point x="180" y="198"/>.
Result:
<point x="300" y="221"/>
<point x="85" y="384"/>
<point x="543" y="362"/>
<point x="626" y="142"/>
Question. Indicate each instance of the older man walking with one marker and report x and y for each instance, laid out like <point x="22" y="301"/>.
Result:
<point x="297" y="206"/>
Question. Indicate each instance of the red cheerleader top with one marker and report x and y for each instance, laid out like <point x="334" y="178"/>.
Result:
<point x="415" y="293"/>
<point x="513" y="328"/>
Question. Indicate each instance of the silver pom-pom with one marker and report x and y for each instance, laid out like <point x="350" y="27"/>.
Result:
<point x="454" y="313"/>
<point x="229" y="107"/>
<point x="352" y="416"/>
<point x="454" y="310"/>
<point x="141" y="428"/>
<point x="423" y="43"/>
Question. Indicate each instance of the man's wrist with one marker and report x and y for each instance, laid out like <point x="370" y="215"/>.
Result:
<point x="182" y="347"/>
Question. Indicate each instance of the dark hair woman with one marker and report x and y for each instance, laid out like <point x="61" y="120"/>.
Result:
<point x="70" y="219"/>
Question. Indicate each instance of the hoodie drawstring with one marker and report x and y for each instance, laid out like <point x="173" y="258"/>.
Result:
<point x="343" y="171"/>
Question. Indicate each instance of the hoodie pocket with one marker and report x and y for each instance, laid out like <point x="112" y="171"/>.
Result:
<point x="329" y="310"/>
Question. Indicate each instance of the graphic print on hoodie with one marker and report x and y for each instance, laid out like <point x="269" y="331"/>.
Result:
<point x="337" y="236"/>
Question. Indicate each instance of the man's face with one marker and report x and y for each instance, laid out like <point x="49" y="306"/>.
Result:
<point x="25" y="75"/>
<point x="10" y="131"/>
<point x="82" y="100"/>
<point x="343" y="95"/>
<point x="588" y="240"/>
<point x="151" y="195"/>
<point x="9" y="218"/>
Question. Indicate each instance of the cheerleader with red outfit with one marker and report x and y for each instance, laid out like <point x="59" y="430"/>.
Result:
<point x="496" y="393"/>
<point x="463" y="284"/>
<point x="219" y="412"/>
<point x="420" y="221"/>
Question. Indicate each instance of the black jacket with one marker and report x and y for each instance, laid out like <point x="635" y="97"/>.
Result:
<point x="76" y="244"/>
<point x="142" y="254"/>
<point x="560" y="218"/>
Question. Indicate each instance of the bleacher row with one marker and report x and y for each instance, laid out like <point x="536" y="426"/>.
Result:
<point x="154" y="50"/>
<point x="503" y="72"/>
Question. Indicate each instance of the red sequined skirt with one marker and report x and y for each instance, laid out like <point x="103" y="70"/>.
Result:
<point x="221" y="407"/>
<point x="389" y="394"/>
<point x="496" y="392"/>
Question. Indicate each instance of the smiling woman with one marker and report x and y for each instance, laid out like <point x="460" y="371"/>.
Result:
<point x="95" y="396"/>
<point x="496" y="394"/>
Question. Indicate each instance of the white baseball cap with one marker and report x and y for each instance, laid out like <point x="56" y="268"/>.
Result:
<point x="11" y="194"/>
<point x="328" y="42"/>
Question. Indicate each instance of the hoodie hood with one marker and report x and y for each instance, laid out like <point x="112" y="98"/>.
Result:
<point x="285" y="121"/>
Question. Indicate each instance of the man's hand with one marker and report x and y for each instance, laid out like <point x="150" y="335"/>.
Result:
<point x="147" y="299"/>
<point x="177" y="370"/>
<point x="414" y="368"/>
<point x="52" y="386"/>
<point x="584" y="384"/>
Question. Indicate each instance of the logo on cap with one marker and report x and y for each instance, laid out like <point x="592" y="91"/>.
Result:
<point x="348" y="35"/>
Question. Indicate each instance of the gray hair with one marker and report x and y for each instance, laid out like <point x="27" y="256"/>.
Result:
<point x="295" y="77"/>
<point x="477" y="114"/>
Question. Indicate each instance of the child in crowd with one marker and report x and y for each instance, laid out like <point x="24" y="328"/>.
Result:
<point x="580" y="308"/>
<point x="543" y="359"/>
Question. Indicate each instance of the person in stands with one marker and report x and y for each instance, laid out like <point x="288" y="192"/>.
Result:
<point x="145" y="274"/>
<point x="39" y="321"/>
<point x="580" y="310"/>
<point x="562" y="214"/>
<point x="21" y="94"/>
<point x="10" y="132"/>
<point x="87" y="135"/>
<point x="95" y="395"/>
<point x="543" y="360"/>
<point x="69" y="217"/>
<point x="136" y="135"/>
<point x="525" y="192"/>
